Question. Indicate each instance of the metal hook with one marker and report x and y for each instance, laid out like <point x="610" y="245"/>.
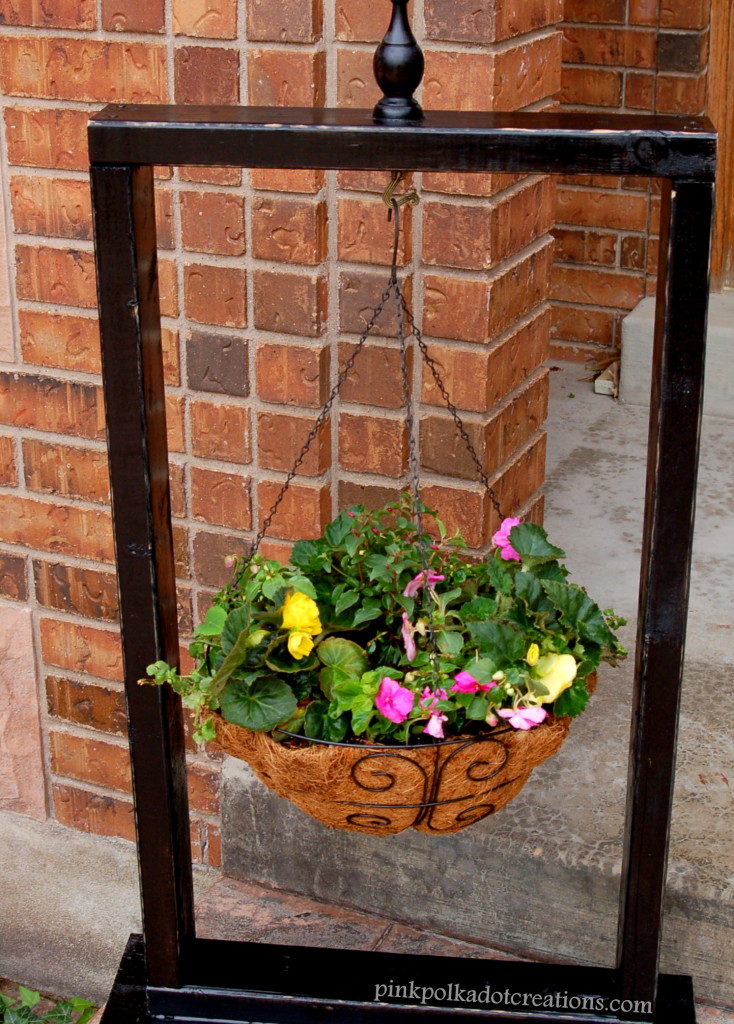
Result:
<point x="410" y="197"/>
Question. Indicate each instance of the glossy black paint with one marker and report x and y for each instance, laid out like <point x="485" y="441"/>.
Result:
<point x="307" y="985"/>
<point x="132" y="369"/>
<point x="124" y="144"/>
<point x="665" y="146"/>
<point x="675" y="417"/>
<point x="398" y="67"/>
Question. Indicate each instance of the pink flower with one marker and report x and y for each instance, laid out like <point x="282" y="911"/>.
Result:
<point x="407" y="631"/>
<point x="501" y="540"/>
<point x="523" y="718"/>
<point x="394" y="701"/>
<point x="466" y="683"/>
<point x="434" y="725"/>
<point x="419" y="581"/>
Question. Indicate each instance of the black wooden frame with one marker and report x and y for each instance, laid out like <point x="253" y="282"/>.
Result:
<point x="168" y="971"/>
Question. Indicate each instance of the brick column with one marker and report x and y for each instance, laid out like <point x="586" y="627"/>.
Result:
<point x="645" y="56"/>
<point x="267" y="278"/>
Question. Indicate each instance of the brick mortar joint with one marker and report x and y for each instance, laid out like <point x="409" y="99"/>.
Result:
<point x="66" y="727"/>
<point x="71" y="561"/>
<point x="83" y="678"/>
<point x="110" y="627"/>
<point x="452" y="46"/>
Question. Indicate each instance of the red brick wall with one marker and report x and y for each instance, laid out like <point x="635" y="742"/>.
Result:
<point x="641" y="56"/>
<point x="265" y="279"/>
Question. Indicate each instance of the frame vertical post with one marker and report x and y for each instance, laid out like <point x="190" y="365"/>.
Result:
<point x="675" y="422"/>
<point x="132" y="365"/>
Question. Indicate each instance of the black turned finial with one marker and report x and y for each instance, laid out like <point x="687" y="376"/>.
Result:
<point x="398" y="65"/>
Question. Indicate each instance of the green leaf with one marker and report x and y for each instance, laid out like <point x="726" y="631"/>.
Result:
<point x="377" y="565"/>
<point x="572" y="701"/>
<point x="482" y="669"/>
<point x="477" y="710"/>
<point x="292" y="724"/>
<point x="529" y="589"/>
<point x="237" y="621"/>
<point x="60" y="1014"/>
<point x="531" y="543"/>
<point x="346" y="691"/>
<point x="84" y="1008"/>
<point x="305" y="553"/>
<point x="304" y="586"/>
<point x="28" y="997"/>
<point x="578" y="610"/>
<point x="551" y="571"/>
<point x="500" y="642"/>
<point x="213" y="622"/>
<point x="449" y="642"/>
<point x="351" y="543"/>
<point x="478" y="609"/>
<point x="449" y="596"/>
<point x="18" y="1015"/>
<point x="342" y="659"/>
<point x="337" y="531"/>
<point x="536" y="687"/>
<point x="290" y="664"/>
<point x="499" y="577"/>
<point x="319" y="725"/>
<point x="5" y="1001"/>
<point x="272" y="589"/>
<point x="366" y="613"/>
<point x="346" y="599"/>
<point x="206" y="732"/>
<point x="362" y="710"/>
<point x="230" y="664"/>
<point x="260" y="706"/>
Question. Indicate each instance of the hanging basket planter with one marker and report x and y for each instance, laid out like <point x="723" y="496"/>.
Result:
<point x="378" y="698"/>
<point x="384" y="678"/>
<point x="439" y="787"/>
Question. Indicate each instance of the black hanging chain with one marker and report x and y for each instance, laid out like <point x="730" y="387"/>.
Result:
<point x="321" y="418"/>
<point x="461" y="429"/>
<point x="403" y="314"/>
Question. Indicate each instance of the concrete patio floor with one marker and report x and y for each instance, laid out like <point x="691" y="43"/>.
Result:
<point x="68" y="905"/>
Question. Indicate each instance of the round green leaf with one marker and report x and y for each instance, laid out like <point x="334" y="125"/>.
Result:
<point x="260" y="706"/>
<point x="342" y="659"/>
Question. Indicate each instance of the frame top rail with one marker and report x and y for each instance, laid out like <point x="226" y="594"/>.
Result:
<point x="673" y="146"/>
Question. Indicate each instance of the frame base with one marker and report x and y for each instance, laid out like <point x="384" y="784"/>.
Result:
<point x="305" y="985"/>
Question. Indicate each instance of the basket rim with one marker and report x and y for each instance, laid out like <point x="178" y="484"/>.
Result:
<point x="401" y="746"/>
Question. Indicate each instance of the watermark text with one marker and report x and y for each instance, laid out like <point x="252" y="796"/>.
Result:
<point x="456" y="995"/>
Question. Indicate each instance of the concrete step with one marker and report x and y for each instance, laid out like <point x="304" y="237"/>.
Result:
<point x="542" y="877"/>
<point x="636" y="358"/>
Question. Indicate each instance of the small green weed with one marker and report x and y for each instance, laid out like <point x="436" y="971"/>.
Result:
<point x="22" y="1010"/>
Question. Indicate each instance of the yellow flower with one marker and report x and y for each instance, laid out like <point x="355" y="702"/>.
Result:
<point x="301" y="613"/>
<point x="556" y="672"/>
<point x="533" y="654"/>
<point x="299" y="644"/>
